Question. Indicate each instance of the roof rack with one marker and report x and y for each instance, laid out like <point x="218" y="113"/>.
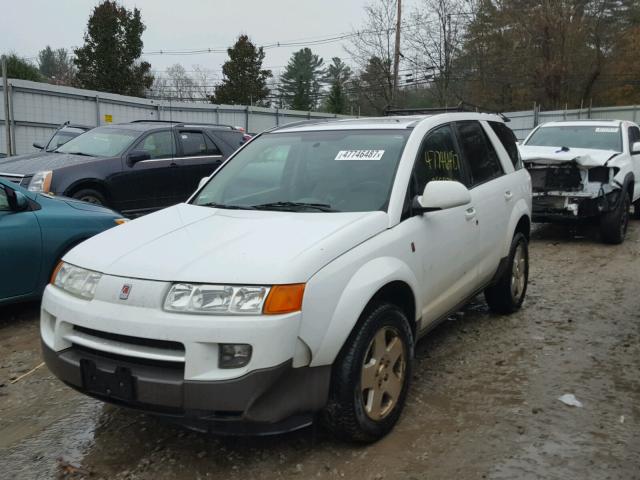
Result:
<point x="460" y="107"/>
<point x="177" y="123"/>
<point x="303" y="122"/>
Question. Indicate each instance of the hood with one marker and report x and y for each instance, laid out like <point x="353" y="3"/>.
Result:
<point x="80" y="205"/>
<point x="188" y="243"/>
<point x="584" y="157"/>
<point x="25" y="156"/>
<point x="28" y="164"/>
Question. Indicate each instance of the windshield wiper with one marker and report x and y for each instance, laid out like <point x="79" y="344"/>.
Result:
<point x="227" y="207"/>
<point x="80" y="153"/>
<point x="294" y="206"/>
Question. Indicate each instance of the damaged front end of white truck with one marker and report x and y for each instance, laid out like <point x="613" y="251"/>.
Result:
<point x="573" y="184"/>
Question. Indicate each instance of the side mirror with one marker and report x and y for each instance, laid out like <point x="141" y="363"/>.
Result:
<point x="635" y="148"/>
<point x="21" y="202"/>
<point x="202" y="182"/>
<point x="442" y="195"/>
<point x="38" y="145"/>
<point x="137" y="156"/>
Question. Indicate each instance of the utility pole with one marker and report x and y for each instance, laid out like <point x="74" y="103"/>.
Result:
<point x="396" y="55"/>
<point x="5" y="94"/>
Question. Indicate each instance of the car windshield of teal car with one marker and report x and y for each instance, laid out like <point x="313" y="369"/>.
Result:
<point x="100" y="142"/>
<point x="309" y="171"/>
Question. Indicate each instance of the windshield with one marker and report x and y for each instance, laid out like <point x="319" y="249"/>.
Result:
<point x="60" y="138"/>
<point x="101" y="142"/>
<point x="345" y="171"/>
<point x="578" y="136"/>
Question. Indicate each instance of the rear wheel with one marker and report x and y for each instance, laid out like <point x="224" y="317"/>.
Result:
<point x="90" y="195"/>
<point x="613" y="225"/>
<point x="507" y="295"/>
<point x="371" y="376"/>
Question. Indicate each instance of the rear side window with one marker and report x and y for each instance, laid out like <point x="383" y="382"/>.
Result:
<point x="509" y="142"/>
<point x="193" y="143"/>
<point x="480" y="155"/>
<point x="438" y="159"/>
<point x="212" y="148"/>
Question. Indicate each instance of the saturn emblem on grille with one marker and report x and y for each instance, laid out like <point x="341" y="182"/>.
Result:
<point x="125" y="291"/>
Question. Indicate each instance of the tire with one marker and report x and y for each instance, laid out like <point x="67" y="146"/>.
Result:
<point x="90" y="195"/>
<point x="352" y="412"/>
<point x="507" y="295"/>
<point x="636" y="210"/>
<point x="613" y="225"/>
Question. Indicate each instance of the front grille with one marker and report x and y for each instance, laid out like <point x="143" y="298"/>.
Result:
<point x="563" y="177"/>
<point x="12" y="177"/>
<point x="144" y="342"/>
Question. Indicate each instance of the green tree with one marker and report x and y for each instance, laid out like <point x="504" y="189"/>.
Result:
<point x="245" y="81"/>
<point x="109" y="60"/>
<point x="56" y="66"/>
<point x="338" y="76"/>
<point x="21" y="68"/>
<point x="300" y="82"/>
<point x="374" y="87"/>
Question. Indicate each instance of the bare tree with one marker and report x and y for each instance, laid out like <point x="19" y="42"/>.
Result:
<point x="372" y="49"/>
<point x="436" y="35"/>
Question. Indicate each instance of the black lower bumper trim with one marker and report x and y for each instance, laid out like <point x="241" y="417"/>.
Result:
<point x="271" y="400"/>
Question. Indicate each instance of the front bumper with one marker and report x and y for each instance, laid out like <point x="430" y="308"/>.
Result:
<point x="272" y="400"/>
<point x="169" y="362"/>
<point x="571" y="206"/>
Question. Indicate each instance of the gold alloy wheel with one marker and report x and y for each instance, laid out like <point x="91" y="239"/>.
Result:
<point x="518" y="273"/>
<point x="383" y="372"/>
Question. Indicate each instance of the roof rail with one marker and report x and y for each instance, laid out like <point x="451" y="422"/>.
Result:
<point x="303" y="122"/>
<point x="176" y="123"/>
<point x="460" y="107"/>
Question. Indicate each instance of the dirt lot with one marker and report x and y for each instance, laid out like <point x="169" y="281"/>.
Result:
<point x="483" y="403"/>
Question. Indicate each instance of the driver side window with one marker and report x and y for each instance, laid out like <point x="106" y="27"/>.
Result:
<point x="158" y="145"/>
<point x="438" y="159"/>
<point x="4" y="200"/>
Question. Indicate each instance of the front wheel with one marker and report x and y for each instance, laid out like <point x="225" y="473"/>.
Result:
<point x="507" y="295"/>
<point x="90" y="195"/>
<point x="371" y="377"/>
<point x="614" y="224"/>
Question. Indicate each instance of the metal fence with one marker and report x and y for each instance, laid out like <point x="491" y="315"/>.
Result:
<point x="36" y="109"/>
<point x="525" y="121"/>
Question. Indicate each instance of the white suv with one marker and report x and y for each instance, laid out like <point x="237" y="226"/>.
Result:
<point x="298" y="277"/>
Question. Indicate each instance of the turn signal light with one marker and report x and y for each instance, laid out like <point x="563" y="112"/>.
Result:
<point x="55" y="272"/>
<point x="284" y="299"/>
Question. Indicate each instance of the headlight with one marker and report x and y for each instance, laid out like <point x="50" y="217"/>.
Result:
<point x="234" y="299"/>
<point x="215" y="299"/>
<point x="75" y="280"/>
<point x="41" y="181"/>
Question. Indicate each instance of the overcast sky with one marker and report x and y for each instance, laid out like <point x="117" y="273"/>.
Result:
<point x="30" y="25"/>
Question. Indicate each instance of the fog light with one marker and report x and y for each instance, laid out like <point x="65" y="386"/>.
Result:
<point x="234" y="355"/>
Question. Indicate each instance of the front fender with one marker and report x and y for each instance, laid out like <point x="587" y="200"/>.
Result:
<point x="327" y="324"/>
<point x="520" y="209"/>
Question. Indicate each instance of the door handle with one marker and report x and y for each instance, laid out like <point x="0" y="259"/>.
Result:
<point x="508" y="195"/>
<point x="470" y="213"/>
<point x="173" y="164"/>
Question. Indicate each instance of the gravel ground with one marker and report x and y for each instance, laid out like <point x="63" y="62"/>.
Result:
<point x="483" y="401"/>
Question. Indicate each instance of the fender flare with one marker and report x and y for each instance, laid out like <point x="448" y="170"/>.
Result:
<point x="359" y="291"/>
<point x="76" y="184"/>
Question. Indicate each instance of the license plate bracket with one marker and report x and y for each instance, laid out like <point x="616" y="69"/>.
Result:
<point x="118" y="384"/>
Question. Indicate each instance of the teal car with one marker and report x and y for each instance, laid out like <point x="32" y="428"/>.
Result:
<point x="36" y="230"/>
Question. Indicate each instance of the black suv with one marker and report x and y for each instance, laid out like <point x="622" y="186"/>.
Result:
<point x="133" y="167"/>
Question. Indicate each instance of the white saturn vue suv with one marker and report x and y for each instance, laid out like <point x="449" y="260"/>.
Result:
<point x="294" y="283"/>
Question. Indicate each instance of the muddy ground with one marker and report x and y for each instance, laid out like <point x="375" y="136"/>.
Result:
<point x="483" y="402"/>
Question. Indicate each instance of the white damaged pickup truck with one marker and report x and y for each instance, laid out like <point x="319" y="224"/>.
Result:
<point x="585" y="170"/>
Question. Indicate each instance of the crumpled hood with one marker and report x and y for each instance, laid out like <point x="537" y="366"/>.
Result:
<point x="582" y="156"/>
<point x="28" y="164"/>
<point x="188" y="243"/>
